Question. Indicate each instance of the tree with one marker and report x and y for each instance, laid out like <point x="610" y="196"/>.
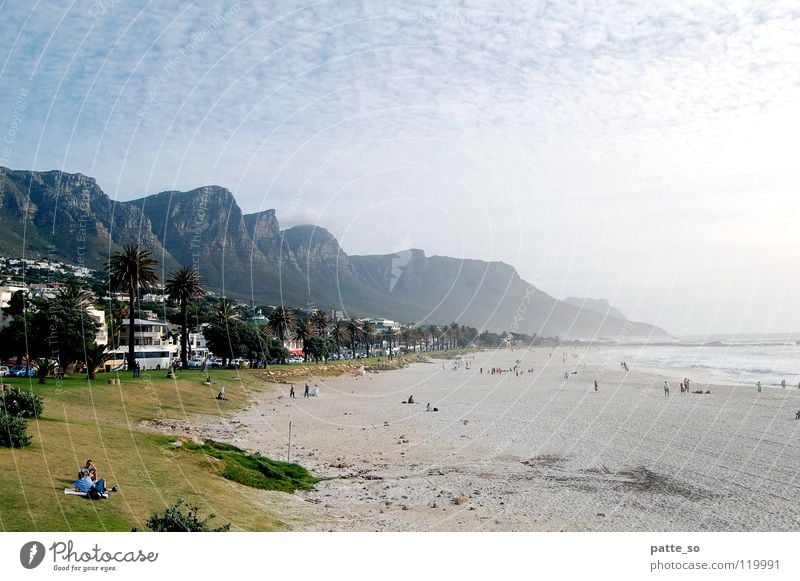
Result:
<point x="318" y="348"/>
<point x="17" y="304"/>
<point x="59" y="331"/>
<point x="368" y="333"/>
<point x="281" y="322"/>
<point x="174" y="520"/>
<point x="74" y="296"/>
<point x="339" y="334"/>
<point x="94" y="356"/>
<point x="353" y="331"/>
<point x="183" y="286"/>
<point x="221" y="338"/>
<point x="303" y="332"/>
<point x="132" y="269"/>
<point x="321" y="321"/>
<point x="225" y="310"/>
<point x="388" y="335"/>
<point x="44" y="367"/>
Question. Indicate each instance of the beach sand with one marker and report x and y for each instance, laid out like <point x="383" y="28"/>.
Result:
<point x="529" y="452"/>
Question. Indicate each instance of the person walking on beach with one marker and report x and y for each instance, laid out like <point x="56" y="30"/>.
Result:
<point x="291" y="392"/>
<point x="783" y="383"/>
<point x="758" y="386"/>
<point x="666" y="389"/>
<point x="305" y="393"/>
<point x="595" y="385"/>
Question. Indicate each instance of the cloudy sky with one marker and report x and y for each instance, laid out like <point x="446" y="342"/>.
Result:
<point x="643" y="152"/>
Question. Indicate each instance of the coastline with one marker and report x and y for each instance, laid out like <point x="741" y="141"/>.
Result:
<point x="529" y="452"/>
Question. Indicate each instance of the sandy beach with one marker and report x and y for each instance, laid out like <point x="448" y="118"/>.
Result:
<point x="529" y="451"/>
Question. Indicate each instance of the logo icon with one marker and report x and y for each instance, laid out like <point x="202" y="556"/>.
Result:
<point x="31" y="554"/>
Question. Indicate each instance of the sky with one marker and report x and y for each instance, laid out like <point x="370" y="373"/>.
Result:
<point x="641" y="152"/>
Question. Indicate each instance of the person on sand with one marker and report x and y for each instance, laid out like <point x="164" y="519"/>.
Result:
<point x="410" y="399"/>
<point x="666" y="389"/>
<point x="758" y="386"/>
<point x="595" y="385"/>
<point x="428" y="408"/>
<point x="305" y="392"/>
<point x="291" y="392"/>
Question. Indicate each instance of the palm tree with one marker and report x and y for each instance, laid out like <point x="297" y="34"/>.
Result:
<point x="225" y="310"/>
<point x="353" y="331"/>
<point x="74" y="297"/>
<point x="340" y="335"/>
<point x="368" y="332"/>
<point x="95" y="356"/>
<point x="265" y="336"/>
<point x="281" y="321"/>
<point x="44" y="367"/>
<point x="132" y="269"/>
<point x="303" y="332"/>
<point x="388" y="336"/>
<point x="184" y="285"/>
<point x="321" y="321"/>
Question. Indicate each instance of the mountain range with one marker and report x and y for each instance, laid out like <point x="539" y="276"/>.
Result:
<point x="68" y="217"/>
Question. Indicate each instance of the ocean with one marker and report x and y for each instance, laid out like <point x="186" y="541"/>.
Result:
<point x="728" y="360"/>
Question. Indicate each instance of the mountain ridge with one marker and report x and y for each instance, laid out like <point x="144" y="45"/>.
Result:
<point x="248" y="256"/>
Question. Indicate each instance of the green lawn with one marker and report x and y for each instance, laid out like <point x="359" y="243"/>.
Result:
<point x="92" y="419"/>
<point x="100" y="421"/>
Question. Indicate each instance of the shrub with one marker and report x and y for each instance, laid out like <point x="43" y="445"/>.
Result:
<point x="13" y="431"/>
<point x="20" y="403"/>
<point x="255" y="470"/>
<point x="174" y="520"/>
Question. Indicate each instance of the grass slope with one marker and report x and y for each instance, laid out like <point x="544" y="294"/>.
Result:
<point x="99" y="421"/>
<point x="96" y="420"/>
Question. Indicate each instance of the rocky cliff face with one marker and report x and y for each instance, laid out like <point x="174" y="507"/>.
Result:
<point x="68" y="217"/>
<point x="264" y="231"/>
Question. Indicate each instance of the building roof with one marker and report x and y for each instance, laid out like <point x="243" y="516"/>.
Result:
<point x="144" y="322"/>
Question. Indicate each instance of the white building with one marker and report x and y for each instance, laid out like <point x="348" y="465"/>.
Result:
<point x="197" y="346"/>
<point x="153" y="345"/>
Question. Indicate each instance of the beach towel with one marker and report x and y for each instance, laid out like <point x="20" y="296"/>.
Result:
<point x="83" y="494"/>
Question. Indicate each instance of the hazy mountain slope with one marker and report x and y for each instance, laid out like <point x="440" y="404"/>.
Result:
<point x="597" y="305"/>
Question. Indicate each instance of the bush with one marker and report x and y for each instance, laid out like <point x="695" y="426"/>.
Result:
<point x="13" y="431"/>
<point x="175" y="521"/>
<point x="24" y="404"/>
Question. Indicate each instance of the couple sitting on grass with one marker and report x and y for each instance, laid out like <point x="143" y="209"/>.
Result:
<point x="89" y="484"/>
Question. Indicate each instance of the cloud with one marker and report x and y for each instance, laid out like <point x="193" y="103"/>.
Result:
<point x="523" y="124"/>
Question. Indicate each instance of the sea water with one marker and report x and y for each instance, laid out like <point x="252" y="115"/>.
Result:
<point x="737" y="359"/>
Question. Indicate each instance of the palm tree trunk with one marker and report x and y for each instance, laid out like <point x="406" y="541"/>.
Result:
<point x="184" y="335"/>
<point x="131" y="319"/>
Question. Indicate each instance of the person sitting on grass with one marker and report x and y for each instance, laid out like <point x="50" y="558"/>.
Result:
<point x="84" y="483"/>
<point x="93" y="490"/>
<point x="90" y="469"/>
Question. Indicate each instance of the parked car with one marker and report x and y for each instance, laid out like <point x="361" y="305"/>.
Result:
<point x="20" y="371"/>
<point x="4" y="370"/>
<point x="194" y="363"/>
